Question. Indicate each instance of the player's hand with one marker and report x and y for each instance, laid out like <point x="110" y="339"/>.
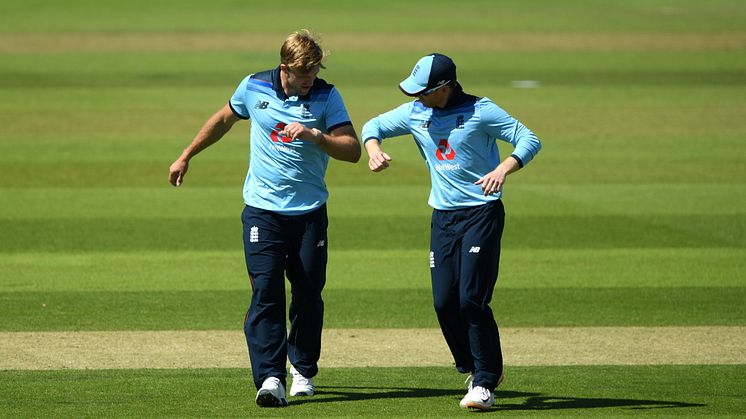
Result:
<point x="295" y="130"/>
<point x="177" y="171"/>
<point x="493" y="181"/>
<point x="379" y="161"/>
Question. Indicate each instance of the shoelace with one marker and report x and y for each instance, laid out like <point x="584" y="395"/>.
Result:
<point x="300" y="379"/>
<point x="469" y="381"/>
<point x="482" y="392"/>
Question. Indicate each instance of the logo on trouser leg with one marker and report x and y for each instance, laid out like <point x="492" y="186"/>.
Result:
<point x="254" y="234"/>
<point x="475" y="249"/>
<point x="432" y="259"/>
<point x="321" y="243"/>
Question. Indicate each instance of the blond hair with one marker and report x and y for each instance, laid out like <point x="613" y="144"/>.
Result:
<point x="301" y="50"/>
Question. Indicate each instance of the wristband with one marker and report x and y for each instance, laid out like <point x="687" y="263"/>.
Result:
<point x="318" y="134"/>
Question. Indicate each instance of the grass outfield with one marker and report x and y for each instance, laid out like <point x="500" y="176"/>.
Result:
<point x="406" y="392"/>
<point x="633" y="214"/>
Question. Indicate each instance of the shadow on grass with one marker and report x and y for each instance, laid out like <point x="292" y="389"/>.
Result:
<point x="339" y="394"/>
<point x="533" y="401"/>
<point x="537" y="401"/>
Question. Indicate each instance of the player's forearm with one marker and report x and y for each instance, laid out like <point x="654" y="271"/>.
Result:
<point x="201" y="141"/>
<point x="210" y="133"/>
<point x="527" y="145"/>
<point x="372" y="146"/>
<point x="341" y="143"/>
<point x="509" y="165"/>
<point x="340" y="147"/>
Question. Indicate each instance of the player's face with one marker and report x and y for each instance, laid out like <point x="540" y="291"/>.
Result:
<point x="299" y="81"/>
<point x="436" y="98"/>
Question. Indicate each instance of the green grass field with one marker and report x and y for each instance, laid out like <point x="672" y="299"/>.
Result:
<point x="633" y="214"/>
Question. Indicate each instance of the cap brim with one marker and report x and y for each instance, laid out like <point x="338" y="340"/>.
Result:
<point x="411" y="87"/>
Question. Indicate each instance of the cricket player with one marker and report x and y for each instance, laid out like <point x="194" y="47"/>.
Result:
<point x="298" y="122"/>
<point x="455" y="133"/>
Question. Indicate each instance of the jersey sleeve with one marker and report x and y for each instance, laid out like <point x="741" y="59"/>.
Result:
<point x="499" y="124"/>
<point x="336" y="113"/>
<point x="238" y="101"/>
<point x="390" y="124"/>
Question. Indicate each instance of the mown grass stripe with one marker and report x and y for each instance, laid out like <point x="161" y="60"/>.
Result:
<point x="210" y="234"/>
<point x="577" y="391"/>
<point x="384" y="17"/>
<point x="391" y="308"/>
<point x="156" y="202"/>
<point x="350" y="269"/>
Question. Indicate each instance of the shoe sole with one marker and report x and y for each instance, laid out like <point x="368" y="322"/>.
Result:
<point x="476" y="406"/>
<point x="268" y="400"/>
<point x="302" y="393"/>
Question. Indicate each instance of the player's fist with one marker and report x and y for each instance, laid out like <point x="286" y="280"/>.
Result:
<point x="177" y="171"/>
<point x="379" y="161"/>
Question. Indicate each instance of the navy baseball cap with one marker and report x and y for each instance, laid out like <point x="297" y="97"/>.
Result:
<point x="430" y="72"/>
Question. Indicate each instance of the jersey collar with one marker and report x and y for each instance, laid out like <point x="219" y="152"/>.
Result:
<point x="457" y="98"/>
<point x="277" y="86"/>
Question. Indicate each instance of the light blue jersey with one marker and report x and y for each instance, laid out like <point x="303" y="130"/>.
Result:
<point x="286" y="176"/>
<point x="458" y="144"/>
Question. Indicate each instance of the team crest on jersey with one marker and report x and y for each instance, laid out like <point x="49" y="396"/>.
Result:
<point x="425" y="125"/>
<point x="459" y="121"/>
<point x="261" y="104"/>
<point x="305" y="111"/>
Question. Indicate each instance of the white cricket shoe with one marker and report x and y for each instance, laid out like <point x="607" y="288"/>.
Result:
<point x="301" y="386"/>
<point x="272" y="393"/>
<point x="478" y="397"/>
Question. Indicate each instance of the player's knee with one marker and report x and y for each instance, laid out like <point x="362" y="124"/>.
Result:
<point x="471" y="309"/>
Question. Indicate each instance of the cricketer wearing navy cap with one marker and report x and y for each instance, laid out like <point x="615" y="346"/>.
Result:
<point x="455" y="133"/>
<point x="430" y="72"/>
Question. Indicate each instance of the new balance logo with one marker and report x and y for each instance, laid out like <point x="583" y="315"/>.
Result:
<point x="254" y="234"/>
<point x="321" y="243"/>
<point x="474" y="249"/>
<point x="425" y="125"/>
<point x="261" y="104"/>
<point x="432" y="259"/>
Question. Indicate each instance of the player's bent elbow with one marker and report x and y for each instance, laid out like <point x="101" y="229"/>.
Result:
<point x="354" y="151"/>
<point x="356" y="155"/>
<point x="351" y="154"/>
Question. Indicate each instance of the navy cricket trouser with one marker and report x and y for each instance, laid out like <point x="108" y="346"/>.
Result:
<point x="464" y="260"/>
<point x="276" y="246"/>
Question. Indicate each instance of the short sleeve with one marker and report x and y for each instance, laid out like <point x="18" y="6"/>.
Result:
<point x="238" y="102"/>
<point x="336" y="113"/>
